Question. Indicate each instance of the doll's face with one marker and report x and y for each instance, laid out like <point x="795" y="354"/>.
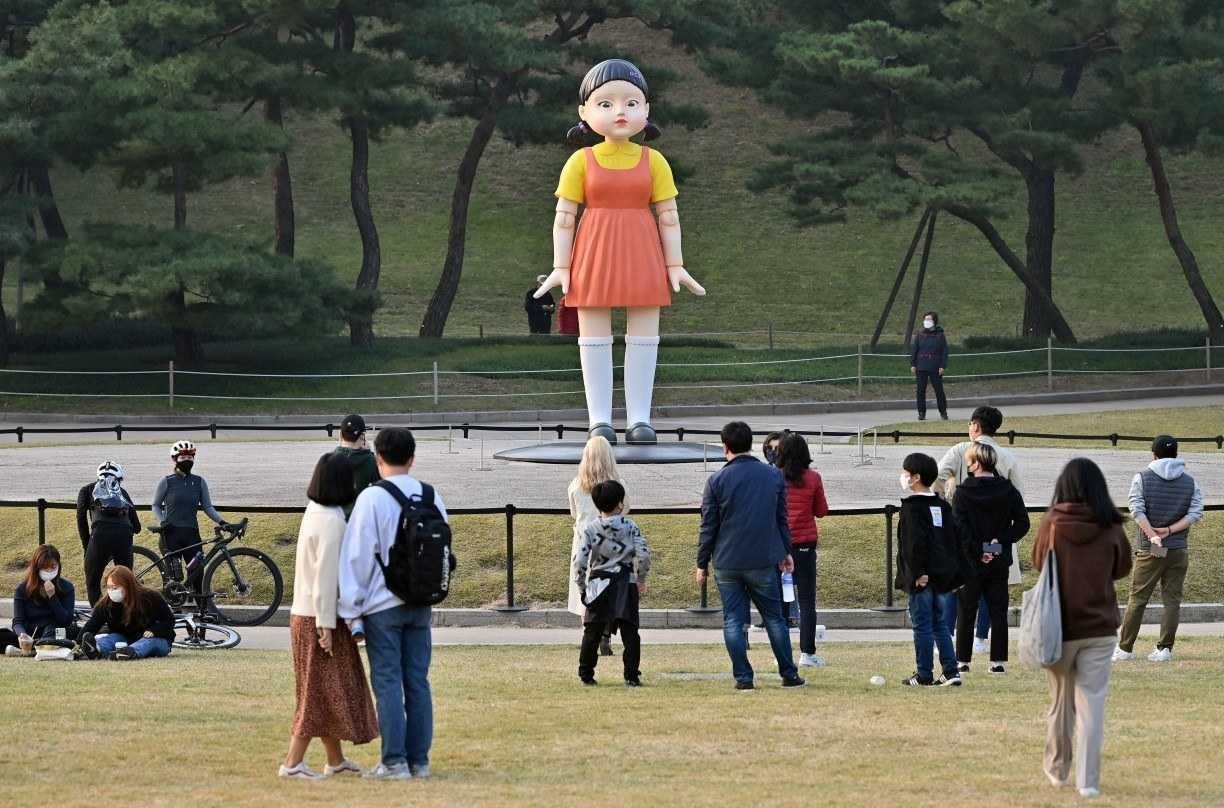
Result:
<point x="616" y="110"/>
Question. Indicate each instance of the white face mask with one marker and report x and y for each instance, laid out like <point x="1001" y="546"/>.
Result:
<point x="928" y="323"/>
<point x="116" y="595"/>
<point x="905" y="482"/>
<point x="48" y="575"/>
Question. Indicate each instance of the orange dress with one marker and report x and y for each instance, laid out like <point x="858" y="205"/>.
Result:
<point x="618" y="258"/>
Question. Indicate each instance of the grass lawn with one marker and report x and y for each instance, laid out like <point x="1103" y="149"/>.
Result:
<point x="851" y="561"/>
<point x="1182" y="422"/>
<point x="514" y="728"/>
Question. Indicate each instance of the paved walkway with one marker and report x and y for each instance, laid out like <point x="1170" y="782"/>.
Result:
<point x="278" y="638"/>
<point x="268" y="469"/>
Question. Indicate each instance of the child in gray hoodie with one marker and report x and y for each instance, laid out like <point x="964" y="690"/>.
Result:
<point x="610" y="569"/>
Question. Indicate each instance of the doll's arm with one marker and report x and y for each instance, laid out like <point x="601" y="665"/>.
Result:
<point x="673" y="254"/>
<point x="564" y="225"/>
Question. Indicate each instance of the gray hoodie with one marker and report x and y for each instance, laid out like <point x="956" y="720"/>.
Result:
<point x="1167" y="483"/>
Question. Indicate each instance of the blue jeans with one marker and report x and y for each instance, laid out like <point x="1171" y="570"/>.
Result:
<point x="143" y="646"/>
<point x="399" y="645"/>
<point x="929" y="612"/>
<point x="760" y="587"/>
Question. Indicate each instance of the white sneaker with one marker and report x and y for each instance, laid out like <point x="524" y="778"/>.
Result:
<point x="1161" y="655"/>
<point x="346" y="767"/>
<point x="810" y="661"/>
<point x="979" y="645"/>
<point x="299" y="772"/>
<point x="12" y="650"/>
<point x="1122" y="656"/>
<point x="399" y="771"/>
<point x="1089" y="793"/>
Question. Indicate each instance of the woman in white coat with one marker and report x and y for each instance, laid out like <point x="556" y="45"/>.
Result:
<point x="598" y="465"/>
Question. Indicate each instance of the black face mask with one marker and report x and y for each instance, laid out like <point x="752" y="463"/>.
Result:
<point x="184" y="466"/>
<point x="771" y="457"/>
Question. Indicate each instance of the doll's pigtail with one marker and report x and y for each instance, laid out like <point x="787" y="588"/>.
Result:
<point x="651" y="131"/>
<point x="580" y="135"/>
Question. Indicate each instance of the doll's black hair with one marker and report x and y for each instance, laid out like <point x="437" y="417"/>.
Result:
<point x="607" y="71"/>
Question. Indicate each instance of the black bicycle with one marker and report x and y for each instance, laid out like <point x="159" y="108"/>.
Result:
<point x="193" y="631"/>
<point x="241" y="586"/>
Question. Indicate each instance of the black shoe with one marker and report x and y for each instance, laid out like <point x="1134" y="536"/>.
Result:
<point x="125" y="653"/>
<point x="949" y="681"/>
<point x="914" y="681"/>
<point x="641" y="434"/>
<point x="604" y="430"/>
<point x="943" y="416"/>
<point x="962" y="667"/>
<point x="997" y="668"/>
<point x="745" y="686"/>
<point x="794" y="681"/>
<point x="588" y="681"/>
<point x="632" y="681"/>
<point x="605" y="646"/>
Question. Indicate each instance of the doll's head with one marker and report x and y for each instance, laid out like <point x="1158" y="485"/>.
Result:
<point x="613" y="104"/>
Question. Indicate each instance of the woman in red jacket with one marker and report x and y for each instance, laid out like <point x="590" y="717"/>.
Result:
<point x="805" y="503"/>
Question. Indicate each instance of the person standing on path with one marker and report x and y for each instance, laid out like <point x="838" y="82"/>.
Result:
<point x="1084" y="530"/>
<point x="106" y="522"/>
<point x="805" y="503"/>
<point x="176" y="503"/>
<point x="744" y="531"/>
<point x="399" y="642"/>
<point x="928" y="361"/>
<point x="353" y="447"/>
<point x="1164" y="502"/>
<point x="333" y="701"/>
<point x="598" y="465"/>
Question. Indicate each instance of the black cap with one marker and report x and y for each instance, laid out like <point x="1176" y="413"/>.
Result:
<point x="1164" y="446"/>
<point x="352" y="426"/>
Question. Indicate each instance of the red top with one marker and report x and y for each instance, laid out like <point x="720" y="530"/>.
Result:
<point x="805" y="502"/>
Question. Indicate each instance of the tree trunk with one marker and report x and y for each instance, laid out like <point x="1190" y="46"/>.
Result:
<point x="361" y="324"/>
<point x="282" y="185"/>
<point x="180" y="196"/>
<point x="4" y="329"/>
<point x="48" y="211"/>
<point x="1168" y="215"/>
<point x="188" y="348"/>
<point x="452" y="269"/>
<point x="1058" y="324"/>
<point x="1039" y="248"/>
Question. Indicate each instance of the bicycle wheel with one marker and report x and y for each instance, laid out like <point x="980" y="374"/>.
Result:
<point x="245" y="586"/>
<point x="203" y="636"/>
<point x="149" y="568"/>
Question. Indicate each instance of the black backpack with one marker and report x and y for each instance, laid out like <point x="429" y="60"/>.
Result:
<point x="420" y="563"/>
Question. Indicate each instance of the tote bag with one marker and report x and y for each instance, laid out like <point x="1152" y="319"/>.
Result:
<point x="1041" y="619"/>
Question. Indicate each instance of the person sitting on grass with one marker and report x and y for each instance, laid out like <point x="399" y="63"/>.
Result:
<point x="42" y="604"/>
<point x="929" y="570"/>
<point x="610" y="569"/>
<point x="134" y="615"/>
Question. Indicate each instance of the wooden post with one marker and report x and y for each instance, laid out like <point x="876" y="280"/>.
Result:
<point x="771" y="335"/>
<point x="171" y="374"/>
<point x="435" y="382"/>
<point x="481" y="327"/>
<point x="1049" y="363"/>
<point x="892" y="295"/>
<point x="860" y="369"/>
<point x="1208" y="346"/>
<point x="922" y="268"/>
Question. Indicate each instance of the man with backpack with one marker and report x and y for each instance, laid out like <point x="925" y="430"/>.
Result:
<point x="106" y="522"/>
<point x="395" y="561"/>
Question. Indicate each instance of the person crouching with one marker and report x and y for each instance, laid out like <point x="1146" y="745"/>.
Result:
<point x="610" y="568"/>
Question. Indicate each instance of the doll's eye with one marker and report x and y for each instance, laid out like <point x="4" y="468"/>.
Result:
<point x="605" y="105"/>
<point x="633" y="103"/>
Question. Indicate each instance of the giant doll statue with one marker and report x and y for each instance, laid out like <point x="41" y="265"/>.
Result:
<point x="620" y="254"/>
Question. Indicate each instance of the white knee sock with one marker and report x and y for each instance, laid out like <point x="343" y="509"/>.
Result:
<point x="596" y="356"/>
<point x="641" y="355"/>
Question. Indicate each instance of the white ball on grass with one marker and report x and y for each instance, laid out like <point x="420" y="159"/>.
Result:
<point x="877" y="680"/>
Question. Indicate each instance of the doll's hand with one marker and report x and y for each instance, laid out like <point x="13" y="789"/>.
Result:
<point x="558" y="277"/>
<point x="678" y="276"/>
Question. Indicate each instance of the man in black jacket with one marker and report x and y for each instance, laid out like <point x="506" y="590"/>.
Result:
<point x="929" y="570"/>
<point x="106" y="525"/>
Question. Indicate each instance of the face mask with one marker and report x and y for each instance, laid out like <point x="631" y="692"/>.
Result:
<point x="185" y="466"/>
<point x="928" y="323"/>
<point x="905" y="481"/>
<point x="116" y="595"/>
<point x="771" y="456"/>
<point x="48" y="575"/>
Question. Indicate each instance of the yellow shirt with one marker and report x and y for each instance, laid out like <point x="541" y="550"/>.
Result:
<point x="613" y="156"/>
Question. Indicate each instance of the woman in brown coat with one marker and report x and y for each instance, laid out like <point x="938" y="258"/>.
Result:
<point x="1084" y="529"/>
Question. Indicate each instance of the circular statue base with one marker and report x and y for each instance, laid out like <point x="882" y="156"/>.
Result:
<point x="570" y="453"/>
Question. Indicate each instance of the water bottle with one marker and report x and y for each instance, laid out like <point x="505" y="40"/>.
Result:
<point x="788" y="587"/>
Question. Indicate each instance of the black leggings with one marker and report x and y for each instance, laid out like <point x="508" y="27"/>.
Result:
<point x="994" y="587"/>
<point x="588" y="657"/>
<point x="108" y="542"/>
<point x="805" y="594"/>
<point x="175" y="541"/>
<point x="921" y="377"/>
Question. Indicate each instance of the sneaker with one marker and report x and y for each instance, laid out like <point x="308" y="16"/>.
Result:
<point x="632" y="681"/>
<point x="792" y="623"/>
<point x="810" y="661"/>
<point x="943" y="416"/>
<point x="758" y="627"/>
<point x="1122" y="656"/>
<point x="125" y="653"/>
<point x="1089" y="793"/>
<point x="1054" y="781"/>
<point x="914" y="681"/>
<point x="605" y="646"/>
<point x="299" y="772"/>
<point x="397" y="771"/>
<point x="745" y="686"/>
<point x="588" y="681"/>
<point x="794" y="681"/>
<point x="420" y="772"/>
<point x="345" y="767"/>
<point x="979" y="645"/>
<point x="962" y="667"/>
<point x="997" y="668"/>
<point x="1161" y="655"/>
<point x="12" y="650"/>
<point x="949" y="681"/>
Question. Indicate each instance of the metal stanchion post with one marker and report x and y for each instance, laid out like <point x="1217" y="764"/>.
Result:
<point x="435" y="382"/>
<point x="171" y="375"/>
<point x="704" y="606"/>
<point x="42" y="521"/>
<point x="510" y="605"/>
<point x="889" y="510"/>
<point x="1049" y="363"/>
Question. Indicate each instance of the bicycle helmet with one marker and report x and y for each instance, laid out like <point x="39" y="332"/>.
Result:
<point x="110" y="468"/>
<point x="182" y="447"/>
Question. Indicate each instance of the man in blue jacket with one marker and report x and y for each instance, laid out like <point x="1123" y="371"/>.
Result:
<point x="745" y="532"/>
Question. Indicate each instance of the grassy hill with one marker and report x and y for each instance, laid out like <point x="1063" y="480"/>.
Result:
<point x="1110" y="249"/>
